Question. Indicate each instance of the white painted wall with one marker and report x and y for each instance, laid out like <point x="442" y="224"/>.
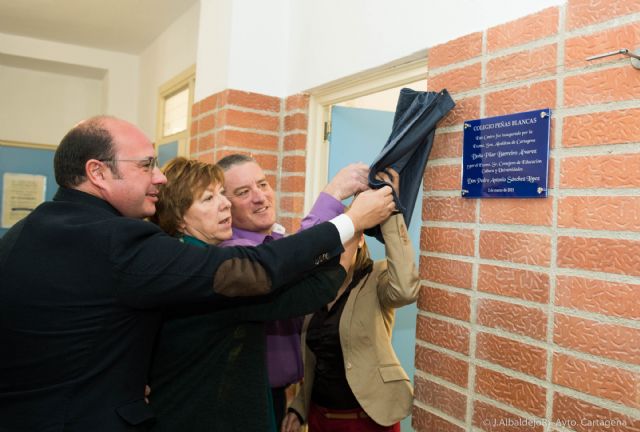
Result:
<point x="275" y="47"/>
<point x="40" y="107"/>
<point x="120" y="79"/>
<point x="214" y="38"/>
<point x="128" y="87"/>
<point x="170" y="54"/>
<point x="260" y="45"/>
<point x="337" y="38"/>
<point x="242" y="42"/>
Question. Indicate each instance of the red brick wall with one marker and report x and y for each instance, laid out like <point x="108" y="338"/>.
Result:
<point x="529" y="311"/>
<point x="272" y="130"/>
<point x="529" y="315"/>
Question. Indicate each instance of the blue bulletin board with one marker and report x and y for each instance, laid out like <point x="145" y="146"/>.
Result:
<point x="25" y="158"/>
<point x="506" y="156"/>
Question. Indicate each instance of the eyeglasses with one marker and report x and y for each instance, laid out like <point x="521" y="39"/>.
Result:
<point x="146" y="163"/>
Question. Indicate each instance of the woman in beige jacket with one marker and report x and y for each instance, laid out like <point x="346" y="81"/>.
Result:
<point x="353" y="380"/>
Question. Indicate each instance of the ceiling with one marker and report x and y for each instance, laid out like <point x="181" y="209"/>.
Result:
<point x="127" y="26"/>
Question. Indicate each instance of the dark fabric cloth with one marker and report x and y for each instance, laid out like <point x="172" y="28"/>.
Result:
<point x="279" y="397"/>
<point x="208" y="372"/>
<point x="80" y="297"/>
<point x="330" y="386"/>
<point x="322" y="419"/>
<point x="408" y="146"/>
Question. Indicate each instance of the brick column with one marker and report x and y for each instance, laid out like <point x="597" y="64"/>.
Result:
<point x="270" y="129"/>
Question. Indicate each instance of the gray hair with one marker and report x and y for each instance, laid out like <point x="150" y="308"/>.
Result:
<point x="234" y="159"/>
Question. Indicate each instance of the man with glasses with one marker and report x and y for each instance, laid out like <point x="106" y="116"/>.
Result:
<point x="83" y="281"/>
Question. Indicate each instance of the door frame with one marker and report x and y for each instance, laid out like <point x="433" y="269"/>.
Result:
<point x="406" y="70"/>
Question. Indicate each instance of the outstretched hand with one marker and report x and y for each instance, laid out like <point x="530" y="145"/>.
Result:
<point x="371" y="207"/>
<point x="349" y="181"/>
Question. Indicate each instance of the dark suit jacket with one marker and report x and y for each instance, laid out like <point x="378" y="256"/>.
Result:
<point x="209" y="373"/>
<point x="81" y="293"/>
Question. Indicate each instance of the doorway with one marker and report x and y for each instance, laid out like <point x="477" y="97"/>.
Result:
<point x="352" y="124"/>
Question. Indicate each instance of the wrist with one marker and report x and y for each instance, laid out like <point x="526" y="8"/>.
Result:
<point x="296" y="413"/>
<point x="354" y="220"/>
<point x="345" y="226"/>
<point x="334" y="192"/>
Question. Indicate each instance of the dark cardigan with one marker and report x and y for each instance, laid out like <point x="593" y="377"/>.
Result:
<point x="208" y="372"/>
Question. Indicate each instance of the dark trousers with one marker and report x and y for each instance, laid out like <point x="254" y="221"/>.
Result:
<point x="279" y="404"/>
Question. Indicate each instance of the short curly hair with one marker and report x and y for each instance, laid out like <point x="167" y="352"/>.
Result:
<point x="187" y="179"/>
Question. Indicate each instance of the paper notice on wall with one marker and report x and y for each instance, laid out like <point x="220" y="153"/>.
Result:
<point x="21" y="193"/>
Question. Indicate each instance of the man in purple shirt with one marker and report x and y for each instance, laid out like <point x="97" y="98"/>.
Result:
<point x="254" y="222"/>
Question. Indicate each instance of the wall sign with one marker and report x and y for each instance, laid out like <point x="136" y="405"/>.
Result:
<point x="506" y="156"/>
<point x="21" y="193"/>
<point x="23" y="158"/>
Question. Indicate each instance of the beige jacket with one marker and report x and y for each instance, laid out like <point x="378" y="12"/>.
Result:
<point x="373" y="371"/>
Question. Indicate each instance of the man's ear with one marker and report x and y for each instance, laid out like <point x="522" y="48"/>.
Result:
<point x="95" y="172"/>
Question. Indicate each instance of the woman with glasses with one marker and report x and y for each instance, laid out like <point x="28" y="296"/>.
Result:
<point x="353" y="380"/>
<point x="208" y="371"/>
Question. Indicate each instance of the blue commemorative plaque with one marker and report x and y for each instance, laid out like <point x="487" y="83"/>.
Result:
<point x="506" y="156"/>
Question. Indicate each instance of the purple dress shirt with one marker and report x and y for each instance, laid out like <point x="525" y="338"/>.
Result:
<point x="284" y="357"/>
